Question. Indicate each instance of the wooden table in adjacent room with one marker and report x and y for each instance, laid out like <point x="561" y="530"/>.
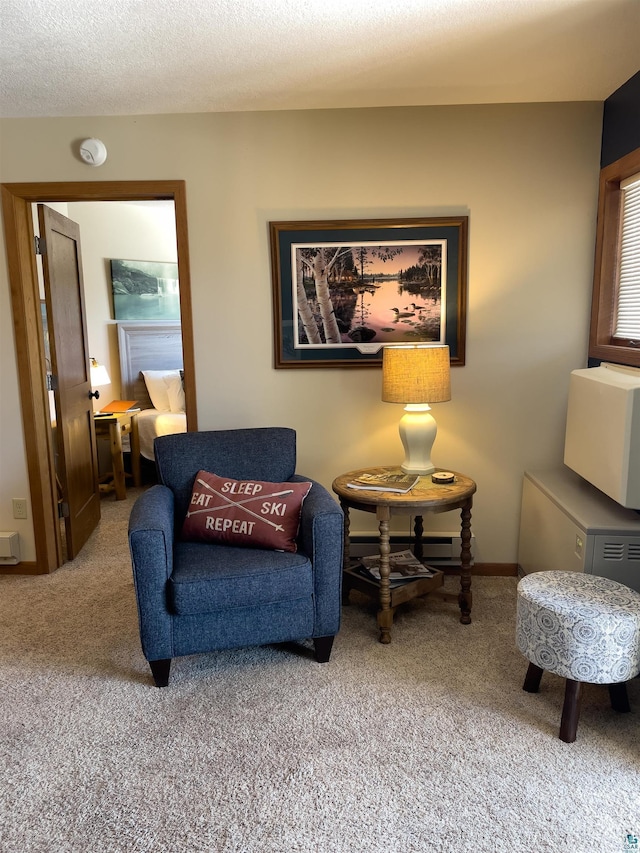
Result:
<point x="425" y="497"/>
<point x="114" y="426"/>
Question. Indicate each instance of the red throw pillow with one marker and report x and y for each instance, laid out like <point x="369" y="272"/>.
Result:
<point x="247" y="513"/>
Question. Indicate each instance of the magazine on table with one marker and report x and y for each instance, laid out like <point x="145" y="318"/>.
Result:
<point x="385" y="482"/>
<point x="403" y="567"/>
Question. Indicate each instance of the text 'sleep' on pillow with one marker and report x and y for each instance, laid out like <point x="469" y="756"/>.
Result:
<point x="246" y="513"/>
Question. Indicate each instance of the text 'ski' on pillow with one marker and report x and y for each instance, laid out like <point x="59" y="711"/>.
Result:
<point x="247" y="513"/>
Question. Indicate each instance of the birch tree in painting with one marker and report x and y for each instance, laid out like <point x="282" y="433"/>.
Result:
<point x="304" y="309"/>
<point x="431" y="259"/>
<point x="320" y="262"/>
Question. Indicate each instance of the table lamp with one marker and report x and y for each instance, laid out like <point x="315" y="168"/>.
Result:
<point x="99" y="375"/>
<point x="416" y="375"/>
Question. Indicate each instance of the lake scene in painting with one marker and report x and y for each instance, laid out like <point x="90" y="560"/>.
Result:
<point x="145" y="290"/>
<point x="369" y="294"/>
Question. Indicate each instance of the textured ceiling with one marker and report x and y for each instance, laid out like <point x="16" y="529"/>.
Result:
<point x="124" y="57"/>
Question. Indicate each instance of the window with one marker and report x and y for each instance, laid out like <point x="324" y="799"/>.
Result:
<point x="615" y="313"/>
<point x="628" y="314"/>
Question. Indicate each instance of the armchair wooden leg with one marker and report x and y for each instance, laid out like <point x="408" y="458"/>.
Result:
<point x="570" y="710"/>
<point x="619" y="698"/>
<point x="160" y="671"/>
<point x="322" y="646"/>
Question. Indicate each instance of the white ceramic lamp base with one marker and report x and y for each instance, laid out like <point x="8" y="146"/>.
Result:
<point x="417" y="433"/>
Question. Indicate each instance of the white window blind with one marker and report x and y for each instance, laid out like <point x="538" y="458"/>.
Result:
<point x="628" y="305"/>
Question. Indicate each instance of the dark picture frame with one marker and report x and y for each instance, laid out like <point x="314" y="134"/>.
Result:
<point x="343" y="289"/>
<point x="145" y="290"/>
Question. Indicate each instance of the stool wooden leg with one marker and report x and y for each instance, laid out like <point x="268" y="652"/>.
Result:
<point x="570" y="710"/>
<point x="532" y="678"/>
<point x="619" y="698"/>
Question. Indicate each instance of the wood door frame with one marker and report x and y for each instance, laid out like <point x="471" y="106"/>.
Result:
<point x="17" y="199"/>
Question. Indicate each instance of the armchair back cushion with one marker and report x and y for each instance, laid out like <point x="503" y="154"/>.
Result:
<point x="267" y="453"/>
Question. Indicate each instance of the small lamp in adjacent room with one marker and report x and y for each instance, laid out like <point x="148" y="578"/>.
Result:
<point x="416" y="375"/>
<point x="99" y="375"/>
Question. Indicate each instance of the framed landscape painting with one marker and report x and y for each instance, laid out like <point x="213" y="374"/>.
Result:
<point x="145" y="290"/>
<point x="344" y="289"/>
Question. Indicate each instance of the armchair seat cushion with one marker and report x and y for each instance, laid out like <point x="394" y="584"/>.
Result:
<point x="207" y="578"/>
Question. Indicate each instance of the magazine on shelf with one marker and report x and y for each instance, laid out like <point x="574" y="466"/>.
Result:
<point x="403" y="567"/>
<point x="385" y="482"/>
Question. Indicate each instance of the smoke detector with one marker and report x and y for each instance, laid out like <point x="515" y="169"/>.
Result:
<point x="93" y="152"/>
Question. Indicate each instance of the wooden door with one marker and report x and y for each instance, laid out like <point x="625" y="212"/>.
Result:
<point x="77" y="464"/>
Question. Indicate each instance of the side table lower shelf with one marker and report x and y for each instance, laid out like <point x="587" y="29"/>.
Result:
<point x="352" y="579"/>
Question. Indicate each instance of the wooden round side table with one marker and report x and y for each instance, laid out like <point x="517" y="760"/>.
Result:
<point x="425" y="497"/>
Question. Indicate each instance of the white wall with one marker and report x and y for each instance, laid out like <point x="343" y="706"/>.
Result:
<point x="526" y="175"/>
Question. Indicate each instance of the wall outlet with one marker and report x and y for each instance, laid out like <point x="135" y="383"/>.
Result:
<point x="19" y="507"/>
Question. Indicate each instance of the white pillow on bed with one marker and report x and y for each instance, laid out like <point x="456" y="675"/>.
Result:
<point x="175" y="391"/>
<point x="157" y="382"/>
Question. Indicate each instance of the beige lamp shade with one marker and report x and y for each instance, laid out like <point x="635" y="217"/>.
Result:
<point x="416" y="374"/>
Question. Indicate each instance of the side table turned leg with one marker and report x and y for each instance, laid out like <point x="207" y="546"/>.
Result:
<point x="418" y="530"/>
<point x="346" y="554"/>
<point x="385" y="614"/>
<point x="465" y="596"/>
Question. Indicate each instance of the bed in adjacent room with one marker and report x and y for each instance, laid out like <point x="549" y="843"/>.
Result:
<point x="151" y="372"/>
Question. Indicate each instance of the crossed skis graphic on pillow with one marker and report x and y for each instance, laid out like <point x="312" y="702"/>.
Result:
<point x="240" y="504"/>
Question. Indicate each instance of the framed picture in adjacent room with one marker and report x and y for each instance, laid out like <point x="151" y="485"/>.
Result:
<point x="145" y="290"/>
<point x="344" y="289"/>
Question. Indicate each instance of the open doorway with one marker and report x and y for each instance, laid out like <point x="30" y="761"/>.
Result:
<point x="17" y="200"/>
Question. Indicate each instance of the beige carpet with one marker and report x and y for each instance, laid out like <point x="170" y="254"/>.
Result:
<point x="427" y="744"/>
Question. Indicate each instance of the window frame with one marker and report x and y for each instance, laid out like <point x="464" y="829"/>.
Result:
<point x="603" y="345"/>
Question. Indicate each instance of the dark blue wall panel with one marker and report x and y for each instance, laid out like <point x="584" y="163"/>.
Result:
<point x="621" y="122"/>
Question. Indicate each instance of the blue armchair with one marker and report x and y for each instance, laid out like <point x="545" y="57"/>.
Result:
<point x="197" y="596"/>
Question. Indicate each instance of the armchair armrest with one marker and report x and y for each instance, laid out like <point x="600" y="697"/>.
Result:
<point x="321" y="538"/>
<point x="151" y="534"/>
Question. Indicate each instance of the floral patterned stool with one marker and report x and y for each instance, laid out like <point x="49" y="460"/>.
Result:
<point x="582" y="627"/>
